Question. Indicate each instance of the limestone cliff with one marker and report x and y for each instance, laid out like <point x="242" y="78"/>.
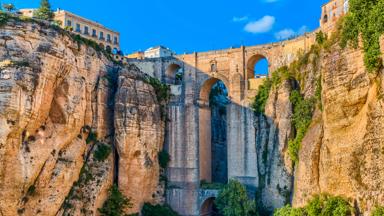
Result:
<point x="57" y="101"/>
<point x="342" y="152"/>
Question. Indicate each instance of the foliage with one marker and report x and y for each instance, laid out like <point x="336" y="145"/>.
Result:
<point x="31" y="190"/>
<point x="116" y="203"/>
<point x="164" y="158"/>
<point x="365" y="18"/>
<point x="320" y="205"/>
<point x="211" y="186"/>
<point x="9" y="7"/>
<point x="302" y="117"/>
<point x="233" y="200"/>
<point x="92" y="137"/>
<point x="102" y="152"/>
<point x="157" y="210"/>
<point x="378" y="211"/>
<point x="44" y="12"/>
<point x="161" y="89"/>
<point x="289" y="211"/>
<point x="276" y="78"/>
<point x="320" y="37"/>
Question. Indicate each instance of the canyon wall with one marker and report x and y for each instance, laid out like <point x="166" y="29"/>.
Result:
<point x="57" y="102"/>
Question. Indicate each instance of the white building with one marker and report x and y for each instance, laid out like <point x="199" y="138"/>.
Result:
<point x="158" y="52"/>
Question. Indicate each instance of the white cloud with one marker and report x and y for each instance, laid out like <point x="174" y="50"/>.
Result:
<point x="289" y="33"/>
<point x="240" y="19"/>
<point x="262" y="25"/>
<point x="285" y="34"/>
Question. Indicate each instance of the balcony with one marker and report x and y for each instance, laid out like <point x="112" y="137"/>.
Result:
<point x="109" y="40"/>
<point x="101" y="38"/>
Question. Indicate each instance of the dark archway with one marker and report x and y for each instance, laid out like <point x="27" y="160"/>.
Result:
<point x="174" y="74"/>
<point x="213" y="140"/>
<point x="208" y="208"/>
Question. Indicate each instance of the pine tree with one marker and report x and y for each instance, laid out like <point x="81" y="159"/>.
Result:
<point x="9" y="7"/>
<point x="44" y="12"/>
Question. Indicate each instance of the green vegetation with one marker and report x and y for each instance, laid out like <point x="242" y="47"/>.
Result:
<point x="211" y="186"/>
<point x="261" y="98"/>
<point x="92" y="137"/>
<point x="44" y="12"/>
<point x="116" y="203"/>
<point x="302" y="116"/>
<point x="365" y="19"/>
<point x="9" y="7"/>
<point x="233" y="201"/>
<point x="161" y="89"/>
<point x="320" y="38"/>
<point x="157" y="210"/>
<point x="3" y="18"/>
<point x="164" y="159"/>
<point x="320" y="205"/>
<point x="162" y="93"/>
<point x="378" y="211"/>
<point x="31" y="190"/>
<point x="102" y="152"/>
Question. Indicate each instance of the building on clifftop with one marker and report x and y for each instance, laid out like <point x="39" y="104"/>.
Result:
<point x="158" y="52"/>
<point x="331" y="12"/>
<point x="106" y="38"/>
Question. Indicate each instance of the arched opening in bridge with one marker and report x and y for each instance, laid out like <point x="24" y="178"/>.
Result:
<point x="213" y="131"/>
<point x="208" y="208"/>
<point x="174" y="74"/>
<point x="257" y="69"/>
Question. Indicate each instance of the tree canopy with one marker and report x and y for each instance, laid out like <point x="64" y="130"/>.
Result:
<point x="44" y="12"/>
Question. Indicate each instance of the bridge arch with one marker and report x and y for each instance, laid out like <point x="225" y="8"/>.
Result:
<point x="211" y="169"/>
<point x="253" y="71"/>
<point x="174" y="74"/>
<point x="208" y="207"/>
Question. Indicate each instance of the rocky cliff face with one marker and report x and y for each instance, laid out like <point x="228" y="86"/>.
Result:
<point x="342" y="152"/>
<point x="56" y="107"/>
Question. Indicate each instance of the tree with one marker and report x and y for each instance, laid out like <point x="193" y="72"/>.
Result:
<point x="116" y="204"/>
<point x="233" y="201"/>
<point x="9" y="7"/>
<point x="44" y="12"/>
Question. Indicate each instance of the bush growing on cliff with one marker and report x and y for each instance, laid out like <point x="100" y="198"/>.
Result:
<point x="102" y="152"/>
<point x="365" y="18"/>
<point x="378" y="211"/>
<point x="44" y="12"/>
<point x="302" y="117"/>
<point x="233" y="201"/>
<point x="116" y="203"/>
<point x="3" y="18"/>
<point x="320" y="205"/>
<point x="164" y="159"/>
<point x="157" y="210"/>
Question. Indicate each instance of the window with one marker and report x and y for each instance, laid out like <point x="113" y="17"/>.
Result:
<point x="86" y="30"/>
<point x="108" y="38"/>
<point x="78" y="27"/>
<point x="69" y="23"/>
<point x="115" y="41"/>
<point x="94" y="33"/>
<point x="213" y="67"/>
<point x="101" y="35"/>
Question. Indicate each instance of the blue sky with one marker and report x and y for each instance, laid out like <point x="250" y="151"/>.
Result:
<point x="195" y="25"/>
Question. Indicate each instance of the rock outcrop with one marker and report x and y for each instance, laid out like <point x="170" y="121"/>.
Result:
<point x="56" y="92"/>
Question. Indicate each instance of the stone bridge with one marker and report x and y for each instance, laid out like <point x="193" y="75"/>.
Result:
<point x="188" y="137"/>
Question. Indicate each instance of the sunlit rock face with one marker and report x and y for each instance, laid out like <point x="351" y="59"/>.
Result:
<point x="54" y="92"/>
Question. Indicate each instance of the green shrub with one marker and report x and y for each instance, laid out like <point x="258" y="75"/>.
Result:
<point x="320" y="37"/>
<point x="44" y="12"/>
<point x="92" y="137"/>
<point x="378" y="211"/>
<point x="211" y="186"/>
<point x="302" y="117"/>
<point x="116" y="203"/>
<point x="320" y="205"/>
<point x="4" y="17"/>
<point x="102" y="152"/>
<point x="365" y="18"/>
<point x="164" y="159"/>
<point x="277" y="77"/>
<point x="233" y="200"/>
<point x="162" y="90"/>
<point x="157" y="210"/>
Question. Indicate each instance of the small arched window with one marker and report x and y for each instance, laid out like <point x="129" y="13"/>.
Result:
<point x="325" y="19"/>
<point x="213" y="67"/>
